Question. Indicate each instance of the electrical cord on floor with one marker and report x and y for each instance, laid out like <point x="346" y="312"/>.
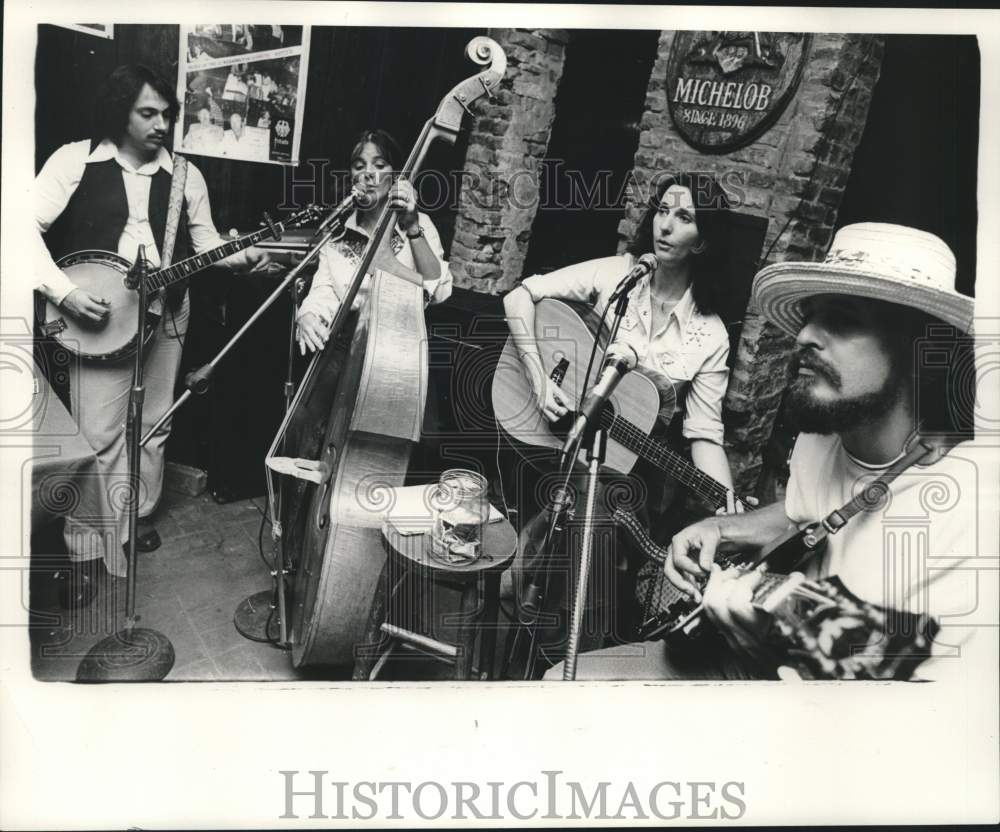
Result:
<point x="271" y="568"/>
<point x="260" y="540"/>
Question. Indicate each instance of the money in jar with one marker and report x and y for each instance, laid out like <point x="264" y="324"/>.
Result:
<point x="461" y="510"/>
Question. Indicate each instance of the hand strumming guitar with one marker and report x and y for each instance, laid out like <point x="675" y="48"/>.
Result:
<point x="726" y="597"/>
<point x="549" y="397"/>
<point x="728" y="592"/>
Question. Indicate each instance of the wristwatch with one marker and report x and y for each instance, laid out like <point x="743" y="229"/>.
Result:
<point x="413" y="235"/>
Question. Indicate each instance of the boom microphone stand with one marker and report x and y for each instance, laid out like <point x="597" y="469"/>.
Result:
<point x="259" y="615"/>
<point x="133" y="654"/>
<point x="197" y="381"/>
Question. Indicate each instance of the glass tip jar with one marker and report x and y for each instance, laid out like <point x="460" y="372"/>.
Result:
<point x="461" y="510"/>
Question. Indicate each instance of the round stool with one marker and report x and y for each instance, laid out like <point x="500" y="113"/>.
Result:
<point x="408" y="558"/>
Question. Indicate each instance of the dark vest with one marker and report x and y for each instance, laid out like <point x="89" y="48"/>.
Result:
<point x="97" y="212"/>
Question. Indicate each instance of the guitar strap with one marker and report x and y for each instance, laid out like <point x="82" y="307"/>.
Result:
<point x="814" y="536"/>
<point x="175" y="294"/>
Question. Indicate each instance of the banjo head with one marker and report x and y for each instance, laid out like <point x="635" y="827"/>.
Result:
<point x="101" y="273"/>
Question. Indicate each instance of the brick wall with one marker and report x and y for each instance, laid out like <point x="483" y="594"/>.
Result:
<point x="507" y="143"/>
<point x="794" y="174"/>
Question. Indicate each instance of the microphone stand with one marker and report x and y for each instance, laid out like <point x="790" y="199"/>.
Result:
<point x="254" y="616"/>
<point x="530" y="605"/>
<point x="257" y="614"/>
<point x="133" y="654"/>
<point x="596" y="453"/>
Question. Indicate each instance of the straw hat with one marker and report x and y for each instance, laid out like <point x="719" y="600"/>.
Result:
<point x="891" y="263"/>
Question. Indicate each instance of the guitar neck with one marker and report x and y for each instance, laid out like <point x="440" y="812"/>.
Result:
<point x="191" y="265"/>
<point x="708" y="489"/>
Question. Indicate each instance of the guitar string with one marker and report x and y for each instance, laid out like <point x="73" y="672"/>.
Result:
<point x="699" y="482"/>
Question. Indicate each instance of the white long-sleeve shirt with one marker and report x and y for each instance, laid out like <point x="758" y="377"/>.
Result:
<point x="338" y="261"/>
<point x="61" y="175"/>
<point x="688" y="351"/>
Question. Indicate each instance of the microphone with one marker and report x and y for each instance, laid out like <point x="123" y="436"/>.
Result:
<point x="646" y="265"/>
<point x="620" y="359"/>
<point x="356" y="198"/>
<point x="139" y="270"/>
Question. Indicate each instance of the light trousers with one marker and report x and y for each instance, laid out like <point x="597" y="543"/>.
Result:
<point x="100" y="395"/>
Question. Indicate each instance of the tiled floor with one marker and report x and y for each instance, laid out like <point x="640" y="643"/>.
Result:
<point x="188" y="590"/>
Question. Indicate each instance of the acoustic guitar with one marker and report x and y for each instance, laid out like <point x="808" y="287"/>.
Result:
<point x="819" y="627"/>
<point x="103" y="273"/>
<point x="564" y="342"/>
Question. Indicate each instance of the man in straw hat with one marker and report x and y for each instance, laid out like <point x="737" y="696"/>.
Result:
<point x="862" y="320"/>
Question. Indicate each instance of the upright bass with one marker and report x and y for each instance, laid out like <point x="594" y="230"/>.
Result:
<point x="353" y="422"/>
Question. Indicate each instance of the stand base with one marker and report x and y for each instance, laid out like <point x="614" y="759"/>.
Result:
<point x="134" y="654"/>
<point x="256" y="618"/>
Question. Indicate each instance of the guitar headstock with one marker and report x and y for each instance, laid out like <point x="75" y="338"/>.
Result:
<point x="310" y="215"/>
<point x="826" y="632"/>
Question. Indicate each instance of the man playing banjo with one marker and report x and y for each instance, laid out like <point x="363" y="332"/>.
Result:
<point x="113" y="193"/>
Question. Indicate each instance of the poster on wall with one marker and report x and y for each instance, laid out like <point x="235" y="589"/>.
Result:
<point x="101" y="30"/>
<point x="242" y="91"/>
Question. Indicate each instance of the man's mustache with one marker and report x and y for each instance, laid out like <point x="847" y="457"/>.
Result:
<point x="809" y="360"/>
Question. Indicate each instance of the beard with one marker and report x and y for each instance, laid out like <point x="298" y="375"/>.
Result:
<point x="807" y="414"/>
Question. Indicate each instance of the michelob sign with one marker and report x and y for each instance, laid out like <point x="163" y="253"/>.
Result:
<point x="724" y="89"/>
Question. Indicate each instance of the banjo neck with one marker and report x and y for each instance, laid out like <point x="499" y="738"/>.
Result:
<point x="163" y="278"/>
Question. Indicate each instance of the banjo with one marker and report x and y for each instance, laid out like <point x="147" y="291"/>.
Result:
<point x="103" y="273"/>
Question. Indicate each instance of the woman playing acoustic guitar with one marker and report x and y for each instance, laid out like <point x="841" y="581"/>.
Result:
<point x="680" y="344"/>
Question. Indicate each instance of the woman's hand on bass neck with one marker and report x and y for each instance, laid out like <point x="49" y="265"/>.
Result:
<point x="403" y="198"/>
